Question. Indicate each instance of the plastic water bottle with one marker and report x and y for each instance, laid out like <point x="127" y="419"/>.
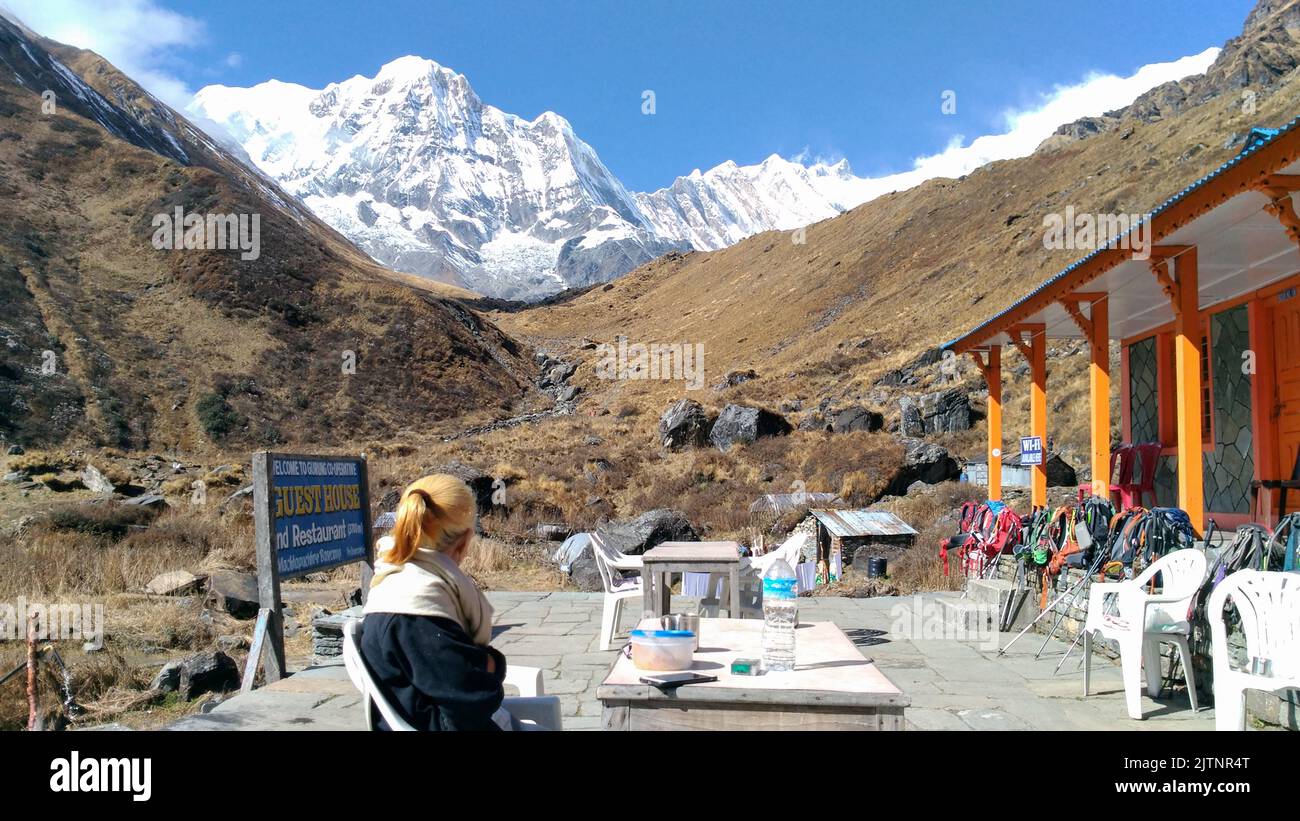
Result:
<point x="780" y="614"/>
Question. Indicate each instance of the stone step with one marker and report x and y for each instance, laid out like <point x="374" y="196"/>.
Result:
<point x="989" y="591"/>
<point x="967" y="616"/>
<point x="995" y="593"/>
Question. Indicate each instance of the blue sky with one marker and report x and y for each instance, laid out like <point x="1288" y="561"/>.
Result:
<point x="860" y="80"/>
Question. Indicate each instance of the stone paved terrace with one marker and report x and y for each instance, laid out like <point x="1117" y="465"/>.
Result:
<point x="953" y="685"/>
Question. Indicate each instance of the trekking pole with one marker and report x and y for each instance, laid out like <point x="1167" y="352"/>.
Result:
<point x="1079" y="586"/>
<point x="31" y="678"/>
<point x="1077" y="637"/>
<point x="1040" y="616"/>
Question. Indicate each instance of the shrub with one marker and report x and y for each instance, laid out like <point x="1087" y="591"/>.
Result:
<point x="216" y="416"/>
<point x="113" y="521"/>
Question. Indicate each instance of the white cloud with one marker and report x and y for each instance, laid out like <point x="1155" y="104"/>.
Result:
<point x="1026" y="129"/>
<point x="234" y="59"/>
<point x="138" y="36"/>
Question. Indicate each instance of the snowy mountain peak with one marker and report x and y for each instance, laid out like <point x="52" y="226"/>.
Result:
<point x="421" y="174"/>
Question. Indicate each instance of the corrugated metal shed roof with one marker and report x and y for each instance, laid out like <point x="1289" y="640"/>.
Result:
<point x="863" y="523"/>
<point x="1255" y="140"/>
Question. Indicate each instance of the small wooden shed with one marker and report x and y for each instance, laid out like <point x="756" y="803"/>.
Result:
<point x="843" y="534"/>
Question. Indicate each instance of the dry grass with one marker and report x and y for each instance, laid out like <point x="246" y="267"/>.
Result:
<point x="103" y="554"/>
<point x="103" y="549"/>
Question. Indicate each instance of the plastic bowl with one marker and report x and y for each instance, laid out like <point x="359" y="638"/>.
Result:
<point x="662" y="649"/>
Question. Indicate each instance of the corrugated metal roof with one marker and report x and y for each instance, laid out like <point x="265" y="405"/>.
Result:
<point x="863" y="523"/>
<point x="1256" y="139"/>
<point x="781" y="502"/>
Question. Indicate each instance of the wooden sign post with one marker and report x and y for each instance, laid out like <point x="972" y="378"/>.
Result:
<point x="310" y="513"/>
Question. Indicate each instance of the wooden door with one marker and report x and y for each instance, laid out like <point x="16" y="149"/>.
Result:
<point x="1286" y="356"/>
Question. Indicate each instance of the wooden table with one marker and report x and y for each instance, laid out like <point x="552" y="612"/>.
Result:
<point x="833" y="687"/>
<point x="659" y="563"/>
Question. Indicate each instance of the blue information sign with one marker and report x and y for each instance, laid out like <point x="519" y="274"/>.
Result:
<point x="1031" y="450"/>
<point x="317" y="512"/>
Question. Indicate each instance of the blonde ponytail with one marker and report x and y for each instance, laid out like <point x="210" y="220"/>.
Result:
<point x="435" y="512"/>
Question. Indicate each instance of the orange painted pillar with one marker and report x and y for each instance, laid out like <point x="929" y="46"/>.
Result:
<point x="1099" y="394"/>
<point x="993" y="418"/>
<point x="1038" y="412"/>
<point x="1187" y="388"/>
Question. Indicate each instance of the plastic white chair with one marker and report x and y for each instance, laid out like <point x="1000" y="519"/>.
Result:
<point x="618" y="589"/>
<point x="1139" y="622"/>
<point x="1268" y="604"/>
<point x="790" y="550"/>
<point x="752" y="571"/>
<point x="532" y="707"/>
<point x="616" y="559"/>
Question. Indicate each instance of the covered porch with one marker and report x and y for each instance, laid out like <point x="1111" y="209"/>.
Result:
<point x="1202" y="299"/>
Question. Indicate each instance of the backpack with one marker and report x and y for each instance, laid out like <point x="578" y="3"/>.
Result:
<point x="1097" y="514"/>
<point x="1249" y="548"/>
<point x="1033" y="550"/>
<point x="1284" y="545"/>
<point x="1127" y="530"/>
<point x="1167" y="529"/>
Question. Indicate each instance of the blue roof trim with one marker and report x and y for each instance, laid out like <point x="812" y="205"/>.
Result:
<point x="1257" y="138"/>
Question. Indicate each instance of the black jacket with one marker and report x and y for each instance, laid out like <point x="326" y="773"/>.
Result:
<point x="432" y="673"/>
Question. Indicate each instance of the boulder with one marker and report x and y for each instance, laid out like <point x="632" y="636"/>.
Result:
<point x="233" y="643"/>
<point x="479" y="482"/>
<point x="174" y="583"/>
<point x="148" y="501"/>
<point x="910" y="422"/>
<point x="740" y="424"/>
<point x="168" y="679"/>
<point x="558" y="374"/>
<point x="567" y="394"/>
<point x="907" y="375"/>
<point x="633" y="537"/>
<point x="923" y="462"/>
<point x="201" y="673"/>
<point x="388" y="502"/>
<point x="16" y="450"/>
<point x="684" y="424"/>
<point x="95" y="481"/>
<point x="734" y="378"/>
<point x="235" y="593"/>
<point x="946" y="411"/>
<point x="813" y="420"/>
<point x="857" y="418"/>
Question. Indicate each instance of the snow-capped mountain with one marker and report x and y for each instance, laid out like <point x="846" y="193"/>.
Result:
<point x="425" y="177"/>
<point x="730" y="202"/>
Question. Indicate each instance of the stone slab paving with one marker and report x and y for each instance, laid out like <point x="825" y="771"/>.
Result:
<point x="953" y="684"/>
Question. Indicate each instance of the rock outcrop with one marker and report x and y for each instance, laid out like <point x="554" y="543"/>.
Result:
<point x="740" y="424"/>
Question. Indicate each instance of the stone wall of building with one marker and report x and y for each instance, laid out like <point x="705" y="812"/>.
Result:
<point x="1230" y="466"/>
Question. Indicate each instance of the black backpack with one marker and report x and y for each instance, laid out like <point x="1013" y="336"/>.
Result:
<point x="1096" y="515"/>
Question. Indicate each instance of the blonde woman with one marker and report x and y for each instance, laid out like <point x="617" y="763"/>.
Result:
<point x="427" y="625"/>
